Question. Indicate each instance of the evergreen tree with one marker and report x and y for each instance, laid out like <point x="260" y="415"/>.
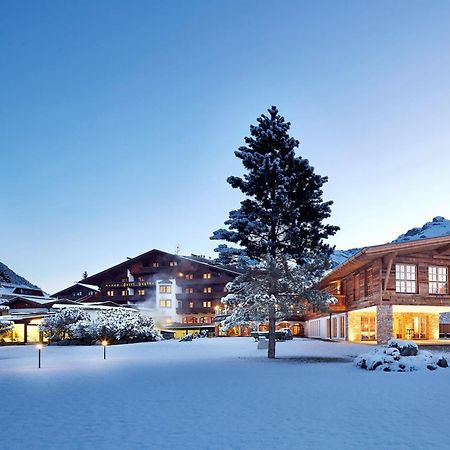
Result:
<point x="280" y="223"/>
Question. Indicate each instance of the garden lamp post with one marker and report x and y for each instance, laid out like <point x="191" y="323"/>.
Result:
<point x="39" y="348"/>
<point x="104" y="344"/>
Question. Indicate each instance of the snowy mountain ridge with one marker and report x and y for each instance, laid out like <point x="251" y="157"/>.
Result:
<point x="9" y="276"/>
<point x="438" y="227"/>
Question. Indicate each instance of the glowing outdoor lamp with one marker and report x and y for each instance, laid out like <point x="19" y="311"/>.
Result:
<point x="39" y="348"/>
<point x="104" y="344"/>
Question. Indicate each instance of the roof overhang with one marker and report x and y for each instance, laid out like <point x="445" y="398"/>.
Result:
<point x="368" y="254"/>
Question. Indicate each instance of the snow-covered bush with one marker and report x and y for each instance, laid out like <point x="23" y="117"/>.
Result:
<point x="124" y="325"/>
<point x="5" y="326"/>
<point x="59" y="326"/>
<point x="400" y="356"/>
<point x="116" y="325"/>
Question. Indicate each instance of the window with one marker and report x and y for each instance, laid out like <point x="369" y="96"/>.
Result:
<point x="141" y="292"/>
<point x="189" y="276"/>
<point x="368" y="332"/>
<point x="173" y="264"/>
<point x="179" y="305"/>
<point x="207" y="276"/>
<point x="207" y="290"/>
<point x="405" y="278"/>
<point x="357" y="287"/>
<point x="165" y="289"/>
<point x="141" y="279"/>
<point x="155" y="264"/>
<point x="207" y="304"/>
<point x="205" y="319"/>
<point x="165" y="303"/>
<point x="342" y="326"/>
<point x="437" y="280"/>
<point x="189" y="290"/>
<point x="110" y="293"/>
<point x="369" y="282"/>
<point x="191" y="304"/>
<point x="124" y="293"/>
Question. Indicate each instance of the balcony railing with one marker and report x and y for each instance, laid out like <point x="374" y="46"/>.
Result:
<point x="195" y="310"/>
<point x="129" y="284"/>
<point x="340" y="306"/>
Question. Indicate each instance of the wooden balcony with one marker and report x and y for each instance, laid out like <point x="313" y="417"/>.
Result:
<point x="338" y="307"/>
<point x="195" y="310"/>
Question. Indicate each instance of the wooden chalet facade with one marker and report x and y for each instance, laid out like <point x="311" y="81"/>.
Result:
<point x="393" y="290"/>
<point x="181" y="293"/>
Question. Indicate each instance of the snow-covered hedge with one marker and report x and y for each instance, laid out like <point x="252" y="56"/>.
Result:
<point x="58" y="327"/>
<point x="400" y="356"/>
<point x="116" y="325"/>
<point x="5" y="325"/>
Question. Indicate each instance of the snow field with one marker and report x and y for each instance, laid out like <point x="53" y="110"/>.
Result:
<point x="217" y="393"/>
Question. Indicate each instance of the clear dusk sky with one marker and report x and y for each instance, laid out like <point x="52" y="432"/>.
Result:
<point x="118" y="120"/>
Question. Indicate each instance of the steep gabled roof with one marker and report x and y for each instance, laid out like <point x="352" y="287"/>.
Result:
<point x="127" y="263"/>
<point x="368" y="254"/>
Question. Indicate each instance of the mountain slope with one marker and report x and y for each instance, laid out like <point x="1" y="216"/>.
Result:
<point x="439" y="226"/>
<point x="9" y="276"/>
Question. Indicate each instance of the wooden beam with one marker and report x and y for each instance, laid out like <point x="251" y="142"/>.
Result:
<point x="390" y="259"/>
<point x="443" y="249"/>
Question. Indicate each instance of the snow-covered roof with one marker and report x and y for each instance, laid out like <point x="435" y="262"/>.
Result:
<point x="367" y="254"/>
<point x="28" y="298"/>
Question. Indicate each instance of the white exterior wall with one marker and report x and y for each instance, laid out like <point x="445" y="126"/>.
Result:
<point x="166" y="315"/>
<point x="318" y="328"/>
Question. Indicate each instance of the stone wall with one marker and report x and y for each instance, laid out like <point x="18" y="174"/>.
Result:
<point x="384" y="323"/>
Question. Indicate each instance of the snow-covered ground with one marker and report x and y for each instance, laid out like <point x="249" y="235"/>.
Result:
<point x="216" y="394"/>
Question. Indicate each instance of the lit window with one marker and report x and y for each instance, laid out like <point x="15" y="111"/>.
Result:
<point x="207" y="304"/>
<point x="207" y="290"/>
<point x="110" y="293"/>
<point x="437" y="280"/>
<point x="189" y="290"/>
<point x="173" y="263"/>
<point x="165" y="303"/>
<point x="165" y="289"/>
<point x="405" y="278"/>
<point x="155" y="264"/>
<point x="207" y="275"/>
<point x="368" y="328"/>
<point x="124" y="293"/>
<point x="191" y="304"/>
<point x="141" y="292"/>
<point x="189" y="276"/>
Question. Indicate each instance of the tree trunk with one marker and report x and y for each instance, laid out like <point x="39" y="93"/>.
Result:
<point x="271" y="347"/>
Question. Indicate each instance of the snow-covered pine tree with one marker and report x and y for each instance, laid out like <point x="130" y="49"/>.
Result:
<point x="279" y="226"/>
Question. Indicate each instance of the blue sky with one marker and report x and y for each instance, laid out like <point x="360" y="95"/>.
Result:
<point x="119" y="120"/>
